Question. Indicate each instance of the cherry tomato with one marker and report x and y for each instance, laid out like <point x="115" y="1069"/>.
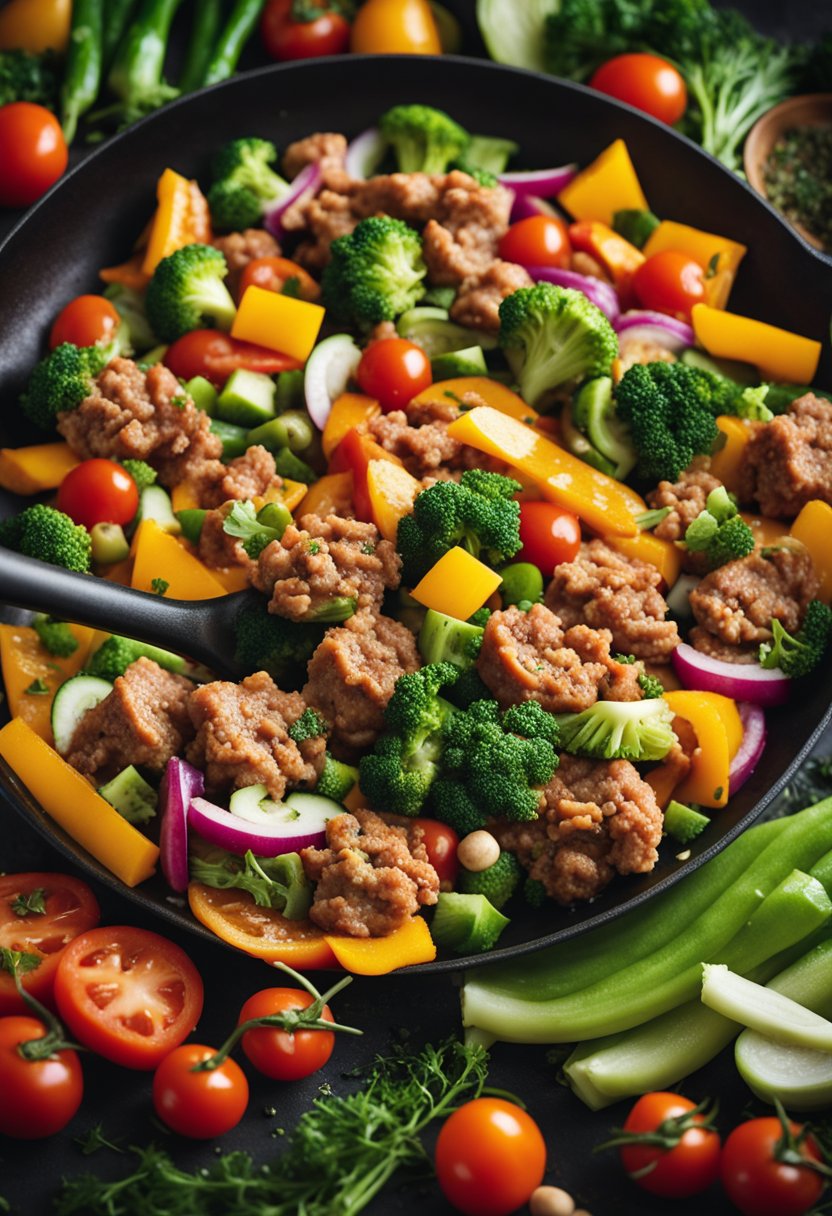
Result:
<point x="215" y="355"/>
<point x="688" y="1168"/>
<point x="32" y="152"/>
<point x="645" y="81"/>
<point x="393" y="27"/>
<point x="128" y="994"/>
<point x="98" y="491"/>
<point x="285" y="38"/>
<point x="670" y="282"/>
<point x="272" y="274"/>
<point x="70" y="908"/>
<point x="760" y="1185"/>
<point x="548" y="534"/>
<point x="441" y="844"/>
<point x="490" y="1156"/>
<point x="84" y="321"/>
<point x="276" y="1053"/>
<point x="39" y="1096"/>
<point x="540" y="240"/>
<point x="200" y="1105"/>
<point x="393" y="371"/>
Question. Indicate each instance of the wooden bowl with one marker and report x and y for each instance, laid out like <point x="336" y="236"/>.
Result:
<point x="809" y="110"/>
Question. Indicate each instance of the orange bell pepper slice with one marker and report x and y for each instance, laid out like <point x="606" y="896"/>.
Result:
<point x="24" y="661"/>
<point x="128" y="274"/>
<point x="813" y="528"/>
<point x="260" y="932"/>
<point x="410" y="944"/>
<point x="33" y="469"/>
<point x="182" y="218"/>
<point x="618" y="257"/>
<point x="348" y="410"/>
<point x="715" y="721"/>
<point x="353" y="455"/>
<point x="329" y="495"/>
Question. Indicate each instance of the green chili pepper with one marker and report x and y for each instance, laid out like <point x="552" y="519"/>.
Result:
<point x="238" y="29"/>
<point x="83" y="65"/>
<point x="206" y="25"/>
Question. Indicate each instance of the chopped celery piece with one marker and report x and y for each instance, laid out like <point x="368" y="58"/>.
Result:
<point x="683" y="823"/>
<point x="773" y="1014"/>
<point x="131" y="795"/>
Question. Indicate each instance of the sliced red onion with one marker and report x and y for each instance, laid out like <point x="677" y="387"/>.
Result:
<point x="526" y="206"/>
<point x="600" y="293"/>
<point x="284" y="829"/>
<point x="365" y="153"/>
<point x="742" y="681"/>
<point x="656" y="328"/>
<point x="751" y="748"/>
<point x="545" y="183"/>
<point x="304" y="186"/>
<point x="181" y="782"/>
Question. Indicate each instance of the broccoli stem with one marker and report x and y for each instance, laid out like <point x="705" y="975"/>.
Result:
<point x="206" y="24"/>
<point x="235" y="34"/>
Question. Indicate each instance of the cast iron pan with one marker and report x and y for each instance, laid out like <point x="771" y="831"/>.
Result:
<point x="91" y="218"/>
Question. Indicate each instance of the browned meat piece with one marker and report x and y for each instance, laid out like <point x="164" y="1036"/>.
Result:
<point x="420" y="439"/>
<point x="248" y="476"/>
<point x="527" y="656"/>
<point x="242" y="737"/>
<point x="240" y="248"/>
<point x="452" y="257"/>
<point x="144" y="720"/>
<point x="788" y="461"/>
<point x="607" y="591"/>
<point x="736" y="603"/>
<point x="371" y="878"/>
<point x="479" y="298"/>
<point x="686" y="499"/>
<point x="585" y="263"/>
<point x="384" y="329"/>
<point x="216" y="547"/>
<point x="324" y="148"/>
<point x="638" y="350"/>
<point x="708" y="643"/>
<point x="318" y="560"/>
<point x="600" y="818"/>
<point x="352" y="674"/>
<point x="144" y="416"/>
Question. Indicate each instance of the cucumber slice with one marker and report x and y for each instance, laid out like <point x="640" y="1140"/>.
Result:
<point x="431" y="329"/>
<point x="252" y="802"/>
<point x="578" y="444"/>
<point x="683" y="823"/>
<point x="203" y="394"/>
<point x="329" y="369"/>
<point x="311" y="806"/>
<point x="743" y="373"/>
<point x="131" y="795"/>
<point x="155" y="504"/>
<point x="467" y="362"/>
<point x="305" y="812"/>
<point x="248" y="398"/>
<point x="72" y="700"/>
<point x="235" y="441"/>
<point x="776" y="1016"/>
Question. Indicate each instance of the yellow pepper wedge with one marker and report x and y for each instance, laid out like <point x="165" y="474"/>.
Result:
<point x="608" y="185"/>
<point x="233" y="578"/>
<point x="646" y="547"/>
<point x="160" y="555"/>
<point x="727" y="461"/>
<point x="708" y="713"/>
<point x="813" y="528"/>
<point x="181" y="218"/>
<point x="348" y="410"/>
<point x="184" y="497"/>
<point x="260" y="932"/>
<point x="604" y="504"/>
<point x="392" y="491"/>
<point x="410" y="944"/>
<point x="458" y="584"/>
<point x="718" y="255"/>
<point x="33" y="469"/>
<point x="73" y="803"/>
<point x="279" y="322"/>
<point x="491" y="391"/>
<point x="25" y="660"/>
<point x="329" y="495"/>
<point x="777" y="353"/>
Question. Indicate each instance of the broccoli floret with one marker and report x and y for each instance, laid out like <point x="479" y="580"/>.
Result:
<point x="651" y="686"/>
<point x="534" y="892"/>
<point x="424" y="140"/>
<point x="337" y="779"/>
<point x="468" y="689"/>
<point x="61" y="381"/>
<point x="480" y="618"/>
<point x="141" y="472"/>
<point x="310" y="725"/>
<point x="552" y="337"/>
<point x="482" y="176"/>
<point x="49" y="535"/>
<point x="478" y="513"/>
<point x="497" y="883"/>
<point x="532" y="721"/>
<point x="466" y="924"/>
<point x="669" y="408"/>
<point x="55" y="636"/>
<point x="256" y="529"/>
<point x="375" y="273"/>
<point x="187" y="291"/>
<point x="398" y="774"/>
<point x="274" y="882"/>
<point x="733" y="539"/>
<point x="619" y="730"/>
<point x="751" y="404"/>
<point x="115" y="655"/>
<point x="718" y="531"/>
<point x="798" y="654"/>
<point x="245" y="186"/>
<point x="266" y="642"/>
<point x="444" y="639"/>
<point x="25" y="76"/>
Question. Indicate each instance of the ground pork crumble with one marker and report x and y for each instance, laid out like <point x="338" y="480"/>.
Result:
<point x="788" y="461"/>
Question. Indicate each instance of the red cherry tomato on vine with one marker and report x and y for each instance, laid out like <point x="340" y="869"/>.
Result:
<point x="540" y="240"/>
<point x="215" y="355"/>
<point x="200" y="1105"/>
<point x="276" y="1053"/>
<point x="284" y="38"/>
<point x="688" y="1168"/>
<point x="98" y="491"/>
<point x="490" y="1156"/>
<point x="670" y="282"/>
<point x="548" y="534"/>
<point x="394" y="371"/>
<point x="441" y="843"/>
<point x="645" y="81"/>
<point x="39" y="1096"/>
<point x="760" y="1185"/>
<point x="33" y="153"/>
<point x="84" y="321"/>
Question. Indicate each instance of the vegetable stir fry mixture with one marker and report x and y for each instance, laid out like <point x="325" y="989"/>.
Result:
<point x="539" y="530"/>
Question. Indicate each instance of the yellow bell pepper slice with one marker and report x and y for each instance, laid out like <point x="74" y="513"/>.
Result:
<point x="348" y="410"/>
<point x="160" y="555"/>
<point x="719" y="256"/>
<point x="410" y="944"/>
<point x="766" y="531"/>
<point x="727" y="461"/>
<point x="608" y="185"/>
<point x="233" y="578"/>
<point x="33" y="469"/>
<point x="646" y="547"/>
<point x="279" y="322"/>
<point x="24" y="660"/>
<point x="181" y="218"/>
<point x="458" y="584"/>
<point x="74" y="804"/>
<point x="491" y="391"/>
<point x="329" y="495"/>
<point x="813" y="528"/>
<point x="711" y="718"/>
<point x="604" y="504"/>
<point x="184" y="497"/>
<point x="777" y="353"/>
<point x="392" y="491"/>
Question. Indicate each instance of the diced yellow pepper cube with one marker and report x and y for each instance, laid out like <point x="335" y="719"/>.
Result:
<point x="458" y="584"/>
<point x="184" y="497"/>
<point x="392" y="491"/>
<point x="348" y="410"/>
<point x="33" y="469"/>
<point x="813" y="528"/>
<point x="279" y="322"/>
<point x="608" y="185"/>
<point x="777" y="353"/>
<point x="160" y="555"/>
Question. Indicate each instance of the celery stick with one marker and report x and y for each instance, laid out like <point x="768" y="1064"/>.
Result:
<point x="776" y="1016"/>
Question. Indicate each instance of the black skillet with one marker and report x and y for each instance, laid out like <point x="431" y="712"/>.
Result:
<point x="92" y="217"/>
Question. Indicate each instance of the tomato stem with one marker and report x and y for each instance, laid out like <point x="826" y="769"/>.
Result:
<point x="18" y="963"/>
<point x="787" y="1150"/>
<point x="669" y="1132"/>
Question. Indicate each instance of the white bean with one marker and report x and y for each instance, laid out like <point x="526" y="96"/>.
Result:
<point x="551" y="1201"/>
<point x="477" y="851"/>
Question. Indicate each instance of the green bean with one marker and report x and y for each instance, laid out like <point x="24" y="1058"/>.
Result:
<point x="272" y="434"/>
<point x="236" y="33"/>
<point x="82" y="76"/>
<point x="204" y="31"/>
<point x="522" y="581"/>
